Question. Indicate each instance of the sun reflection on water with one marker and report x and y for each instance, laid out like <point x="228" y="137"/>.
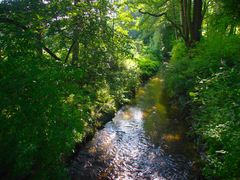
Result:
<point x="158" y="125"/>
<point x="141" y="142"/>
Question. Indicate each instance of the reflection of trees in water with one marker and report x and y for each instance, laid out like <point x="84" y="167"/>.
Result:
<point x="126" y="147"/>
<point x="151" y="100"/>
<point x="158" y="126"/>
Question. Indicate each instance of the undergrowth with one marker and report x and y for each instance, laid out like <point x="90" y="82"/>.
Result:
<point x="207" y="78"/>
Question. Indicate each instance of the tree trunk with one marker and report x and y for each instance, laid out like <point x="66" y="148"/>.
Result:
<point x="76" y="32"/>
<point x="175" y="19"/>
<point x="39" y="45"/>
<point x="197" y="20"/>
<point x="185" y="22"/>
<point x="189" y="20"/>
<point x="183" y="18"/>
<point x="191" y="17"/>
<point x="75" y="48"/>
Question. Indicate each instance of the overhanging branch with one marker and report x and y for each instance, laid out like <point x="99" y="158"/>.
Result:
<point x="69" y="51"/>
<point x="176" y="26"/>
<point x="151" y="14"/>
<point x="167" y="18"/>
<point x="6" y="20"/>
<point x="51" y="53"/>
<point x="15" y="23"/>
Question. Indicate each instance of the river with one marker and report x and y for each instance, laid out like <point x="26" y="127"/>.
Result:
<point x="141" y="142"/>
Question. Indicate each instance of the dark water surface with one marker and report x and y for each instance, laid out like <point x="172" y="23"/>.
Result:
<point x="141" y="142"/>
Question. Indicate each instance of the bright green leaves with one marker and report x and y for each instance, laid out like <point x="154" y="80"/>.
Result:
<point x="69" y="99"/>
<point x="46" y="106"/>
<point x="208" y="75"/>
<point x="192" y="94"/>
<point x="35" y="121"/>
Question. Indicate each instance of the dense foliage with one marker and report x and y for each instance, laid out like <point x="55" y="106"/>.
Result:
<point x="65" y="65"/>
<point x="202" y="75"/>
<point x="43" y="113"/>
<point x="206" y="80"/>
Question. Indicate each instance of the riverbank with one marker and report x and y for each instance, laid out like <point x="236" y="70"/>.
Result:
<point x="106" y="117"/>
<point x="152" y="134"/>
<point x="204" y="82"/>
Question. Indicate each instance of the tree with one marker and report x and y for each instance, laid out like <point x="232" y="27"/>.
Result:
<point x="51" y="94"/>
<point x="189" y="26"/>
<point x="76" y="33"/>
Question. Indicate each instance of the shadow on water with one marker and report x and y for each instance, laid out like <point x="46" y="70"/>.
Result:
<point x="160" y="124"/>
<point x="141" y="142"/>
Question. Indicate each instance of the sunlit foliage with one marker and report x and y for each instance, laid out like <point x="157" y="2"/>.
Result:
<point x="206" y="79"/>
<point x="51" y="99"/>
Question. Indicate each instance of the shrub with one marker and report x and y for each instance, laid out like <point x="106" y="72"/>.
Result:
<point x="148" y="67"/>
<point x="217" y="121"/>
<point x="178" y="78"/>
<point x="46" y="108"/>
<point x="209" y="74"/>
<point x="42" y="116"/>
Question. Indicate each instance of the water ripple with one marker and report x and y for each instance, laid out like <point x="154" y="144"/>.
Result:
<point x="122" y="150"/>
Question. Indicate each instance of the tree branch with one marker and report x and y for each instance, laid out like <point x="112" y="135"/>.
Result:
<point x="51" y="53"/>
<point x="151" y="14"/>
<point x="167" y="18"/>
<point x="25" y="28"/>
<point x="176" y="26"/>
<point x="69" y="51"/>
<point x="10" y="21"/>
<point x="206" y="5"/>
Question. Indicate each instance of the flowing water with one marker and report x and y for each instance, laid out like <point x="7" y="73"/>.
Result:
<point x="141" y="142"/>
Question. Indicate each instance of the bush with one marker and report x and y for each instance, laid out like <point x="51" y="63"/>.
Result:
<point x="217" y="121"/>
<point x="188" y="66"/>
<point x="42" y="116"/>
<point x="207" y="77"/>
<point x="178" y="78"/>
<point x="46" y="108"/>
<point x="148" y="67"/>
<point x="125" y="82"/>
